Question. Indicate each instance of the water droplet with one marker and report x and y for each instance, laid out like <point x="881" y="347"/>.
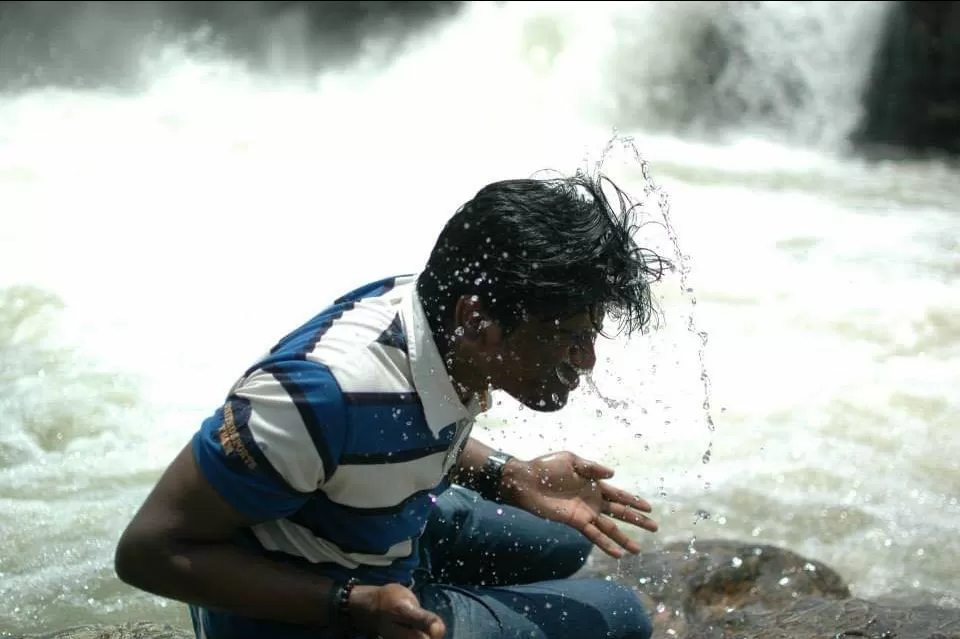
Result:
<point x="499" y="511"/>
<point x="736" y="562"/>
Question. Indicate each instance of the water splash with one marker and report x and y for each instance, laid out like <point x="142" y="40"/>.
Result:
<point x="53" y="398"/>
<point x="611" y="403"/>
<point x="653" y="190"/>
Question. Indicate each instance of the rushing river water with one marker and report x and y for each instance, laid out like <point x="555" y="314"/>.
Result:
<point x="152" y="245"/>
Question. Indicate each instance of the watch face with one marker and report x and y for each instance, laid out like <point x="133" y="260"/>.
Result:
<point x="499" y="458"/>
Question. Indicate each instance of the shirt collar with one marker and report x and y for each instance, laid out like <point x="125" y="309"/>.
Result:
<point x="441" y="403"/>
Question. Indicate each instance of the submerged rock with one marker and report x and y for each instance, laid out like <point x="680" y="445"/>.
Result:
<point x="846" y="619"/>
<point x="140" y="630"/>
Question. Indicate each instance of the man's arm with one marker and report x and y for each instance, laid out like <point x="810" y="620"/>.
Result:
<point x="260" y="457"/>
<point x="178" y="546"/>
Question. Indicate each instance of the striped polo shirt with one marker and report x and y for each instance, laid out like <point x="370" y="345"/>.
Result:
<point x="338" y="440"/>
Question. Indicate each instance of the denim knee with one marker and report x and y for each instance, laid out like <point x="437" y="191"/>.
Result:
<point x="625" y="613"/>
<point x="570" y="552"/>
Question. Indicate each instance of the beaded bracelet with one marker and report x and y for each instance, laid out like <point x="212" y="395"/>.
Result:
<point x="338" y="604"/>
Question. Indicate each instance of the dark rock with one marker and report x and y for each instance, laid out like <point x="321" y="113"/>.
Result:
<point x="141" y="630"/>
<point x="718" y="589"/>
<point x="847" y="619"/>
<point x="685" y="584"/>
<point x="913" y="99"/>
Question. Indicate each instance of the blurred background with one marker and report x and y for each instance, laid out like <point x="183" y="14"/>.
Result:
<point x="183" y="182"/>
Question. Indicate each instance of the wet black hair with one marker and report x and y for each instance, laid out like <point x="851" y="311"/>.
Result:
<point x="544" y="248"/>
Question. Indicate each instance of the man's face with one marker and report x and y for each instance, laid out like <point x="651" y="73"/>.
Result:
<point x="539" y="362"/>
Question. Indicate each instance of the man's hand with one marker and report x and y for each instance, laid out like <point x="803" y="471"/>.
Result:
<point x="568" y="489"/>
<point x="392" y="612"/>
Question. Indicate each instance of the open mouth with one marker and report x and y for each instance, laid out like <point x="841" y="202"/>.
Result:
<point x="570" y="379"/>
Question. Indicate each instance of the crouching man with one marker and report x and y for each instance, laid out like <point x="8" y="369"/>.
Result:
<point x="336" y="491"/>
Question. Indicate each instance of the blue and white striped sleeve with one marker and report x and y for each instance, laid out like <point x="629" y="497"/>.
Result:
<point x="274" y="442"/>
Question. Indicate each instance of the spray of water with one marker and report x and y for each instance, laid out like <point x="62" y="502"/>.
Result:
<point x="681" y="266"/>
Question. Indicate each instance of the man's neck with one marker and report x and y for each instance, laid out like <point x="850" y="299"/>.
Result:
<point x="465" y="376"/>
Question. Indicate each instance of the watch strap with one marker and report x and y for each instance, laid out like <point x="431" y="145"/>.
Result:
<point x="489" y="480"/>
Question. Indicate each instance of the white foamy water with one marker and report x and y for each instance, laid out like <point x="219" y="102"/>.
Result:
<point x="152" y="246"/>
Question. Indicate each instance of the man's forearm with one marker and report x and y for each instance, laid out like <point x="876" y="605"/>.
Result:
<point x="472" y="459"/>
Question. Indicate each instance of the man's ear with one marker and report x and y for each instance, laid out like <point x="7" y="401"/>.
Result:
<point x="473" y="323"/>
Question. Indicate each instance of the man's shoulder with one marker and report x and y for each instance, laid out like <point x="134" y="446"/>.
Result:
<point x="382" y="290"/>
<point x="359" y="340"/>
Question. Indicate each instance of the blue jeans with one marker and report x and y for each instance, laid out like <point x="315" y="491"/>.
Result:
<point x="495" y="572"/>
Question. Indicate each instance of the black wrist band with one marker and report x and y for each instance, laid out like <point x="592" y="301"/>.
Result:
<point x="338" y="613"/>
<point x="488" y="481"/>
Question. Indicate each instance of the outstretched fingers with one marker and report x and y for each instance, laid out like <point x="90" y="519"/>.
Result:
<point x="620" y="496"/>
<point x="609" y="538"/>
<point x="630" y="516"/>
<point x="591" y="470"/>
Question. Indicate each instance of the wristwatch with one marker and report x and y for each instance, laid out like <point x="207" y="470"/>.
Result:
<point x="490" y="478"/>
